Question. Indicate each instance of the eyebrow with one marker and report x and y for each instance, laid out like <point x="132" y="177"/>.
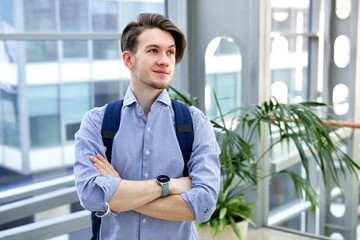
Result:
<point x="157" y="46"/>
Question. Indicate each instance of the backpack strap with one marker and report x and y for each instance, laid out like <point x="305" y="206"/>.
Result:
<point x="110" y="125"/>
<point x="184" y="131"/>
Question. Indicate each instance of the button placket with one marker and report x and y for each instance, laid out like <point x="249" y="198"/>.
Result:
<point x="147" y="152"/>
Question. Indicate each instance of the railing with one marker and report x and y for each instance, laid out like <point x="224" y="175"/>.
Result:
<point x="29" y="200"/>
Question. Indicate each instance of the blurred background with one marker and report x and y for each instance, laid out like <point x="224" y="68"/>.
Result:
<point x="60" y="58"/>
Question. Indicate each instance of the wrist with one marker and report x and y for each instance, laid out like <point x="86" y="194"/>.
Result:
<point x="164" y="182"/>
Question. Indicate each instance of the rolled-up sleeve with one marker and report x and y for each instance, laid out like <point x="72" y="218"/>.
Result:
<point x="93" y="189"/>
<point x="204" y="169"/>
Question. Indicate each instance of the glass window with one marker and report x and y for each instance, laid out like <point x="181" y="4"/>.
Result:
<point x="9" y="118"/>
<point x="6" y="15"/>
<point x="290" y="16"/>
<point x="71" y="129"/>
<point x="73" y="15"/>
<point x="223" y="75"/>
<point x="41" y="51"/>
<point x="39" y="15"/>
<point x="293" y="23"/>
<point x="106" y="50"/>
<point x="130" y="10"/>
<point x="75" y="98"/>
<point x="289" y="64"/>
<point x="294" y="223"/>
<point x="104" y="16"/>
<point x="75" y="49"/>
<point x="106" y="92"/>
<point x="282" y="189"/>
<point x="44" y="115"/>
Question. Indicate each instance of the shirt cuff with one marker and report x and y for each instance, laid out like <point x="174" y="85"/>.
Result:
<point x="102" y="214"/>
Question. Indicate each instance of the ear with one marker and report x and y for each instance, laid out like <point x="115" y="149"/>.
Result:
<point x="127" y="59"/>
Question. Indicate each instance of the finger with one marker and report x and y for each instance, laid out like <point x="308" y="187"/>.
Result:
<point x="101" y="158"/>
<point x="103" y="166"/>
<point x="102" y="171"/>
<point x="93" y="159"/>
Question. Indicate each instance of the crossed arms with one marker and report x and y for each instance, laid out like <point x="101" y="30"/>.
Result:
<point x="145" y="196"/>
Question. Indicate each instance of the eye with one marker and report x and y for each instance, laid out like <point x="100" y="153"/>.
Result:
<point x="153" y="50"/>
<point x="171" y="52"/>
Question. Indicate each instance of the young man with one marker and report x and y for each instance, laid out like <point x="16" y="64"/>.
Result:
<point x="132" y="203"/>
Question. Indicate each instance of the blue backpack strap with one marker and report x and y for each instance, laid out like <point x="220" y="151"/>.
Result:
<point x="184" y="131"/>
<point x="110" y="126"/>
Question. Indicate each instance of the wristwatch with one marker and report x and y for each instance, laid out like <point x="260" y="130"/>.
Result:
<point x="163" y="181"/>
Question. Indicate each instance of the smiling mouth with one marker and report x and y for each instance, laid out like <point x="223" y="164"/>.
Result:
<point x="161" y="72"/>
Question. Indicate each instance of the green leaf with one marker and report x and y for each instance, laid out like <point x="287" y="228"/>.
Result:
<point x="235" y="228"/>
<point x="223" y="212"/>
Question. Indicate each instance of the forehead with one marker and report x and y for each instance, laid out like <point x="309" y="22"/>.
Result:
<point x="155" y="36"/>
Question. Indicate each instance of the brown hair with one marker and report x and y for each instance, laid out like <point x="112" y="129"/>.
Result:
<point x="149" y="21"/>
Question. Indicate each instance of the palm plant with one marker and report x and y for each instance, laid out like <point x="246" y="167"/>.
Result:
<point x="297" y="126"/>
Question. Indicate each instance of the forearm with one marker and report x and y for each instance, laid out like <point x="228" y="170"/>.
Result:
<point x="133" y="194"/>
<point x="172" y="208"/>
<point x="130" y="195"/>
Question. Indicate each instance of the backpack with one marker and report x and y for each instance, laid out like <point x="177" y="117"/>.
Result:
<point x="111" y="123"/>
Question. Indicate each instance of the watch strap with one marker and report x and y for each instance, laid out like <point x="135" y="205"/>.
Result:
<point x="165" y="189"/>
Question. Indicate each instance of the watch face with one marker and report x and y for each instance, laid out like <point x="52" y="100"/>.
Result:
<point x="163" y="178"/>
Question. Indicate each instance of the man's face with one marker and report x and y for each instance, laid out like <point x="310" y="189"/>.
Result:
<point x="154" y="61"/>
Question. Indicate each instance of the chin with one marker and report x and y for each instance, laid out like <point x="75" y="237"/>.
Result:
<point x="161" y="85"/>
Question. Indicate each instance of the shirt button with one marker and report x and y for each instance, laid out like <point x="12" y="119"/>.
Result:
<point x="147" y="152"/>
<point x="146" y="175"/>
<point x="148" y="129"/>
<point x="144" y="220"/>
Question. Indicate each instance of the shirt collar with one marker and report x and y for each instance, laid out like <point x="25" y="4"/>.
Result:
<point x="130" y="98"/>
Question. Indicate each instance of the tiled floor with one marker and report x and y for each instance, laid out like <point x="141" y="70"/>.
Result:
<point x="271" y="234"/>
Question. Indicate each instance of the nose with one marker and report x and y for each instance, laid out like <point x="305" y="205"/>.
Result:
<point x="163" y="59"/>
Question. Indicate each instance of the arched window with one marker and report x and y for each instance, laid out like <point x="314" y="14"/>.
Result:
<point x="223" y="75"/>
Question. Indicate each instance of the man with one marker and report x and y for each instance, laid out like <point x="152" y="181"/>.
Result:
<point x="132" y="203"/>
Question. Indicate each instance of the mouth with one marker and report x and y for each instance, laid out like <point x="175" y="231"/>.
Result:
<point x="161" y="72"/>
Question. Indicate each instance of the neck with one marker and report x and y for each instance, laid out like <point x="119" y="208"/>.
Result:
<point x="146" y="97"/>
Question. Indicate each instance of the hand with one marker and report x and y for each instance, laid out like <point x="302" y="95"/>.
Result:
<point x="103" y="166"/>
<point x="179" y="185"/>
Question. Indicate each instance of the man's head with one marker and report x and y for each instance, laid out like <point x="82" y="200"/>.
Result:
<point x="129" y="37"/>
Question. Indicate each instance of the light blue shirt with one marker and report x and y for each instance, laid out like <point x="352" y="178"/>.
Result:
<point x="143" y="148"/>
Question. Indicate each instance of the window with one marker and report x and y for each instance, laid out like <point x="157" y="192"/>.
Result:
<point x="44" y="116"/>
<point x="6" y="15"/>
<point x="106" y="92"/>
<point x="75" y="49"/>
<point x="223" y="75"/>
<point x="39" y="15"/>
<point x="9" y="118"/>
<point x="75" y="100"/>
<point x="104" y="16"/>
<point x="41" y="51"/>
<point x="289" y="64"/>
<point x="292" y="53"/>
<point x="130" y="9"/>
<point x="73" y="15"/>
<point x="106" y="50"/>
<point x="71" y="129"/>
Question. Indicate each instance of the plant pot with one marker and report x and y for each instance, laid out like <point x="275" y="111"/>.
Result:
<point x="204" y="233"/>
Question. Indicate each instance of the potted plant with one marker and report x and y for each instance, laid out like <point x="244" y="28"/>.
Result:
<point x="298" y="126"/>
